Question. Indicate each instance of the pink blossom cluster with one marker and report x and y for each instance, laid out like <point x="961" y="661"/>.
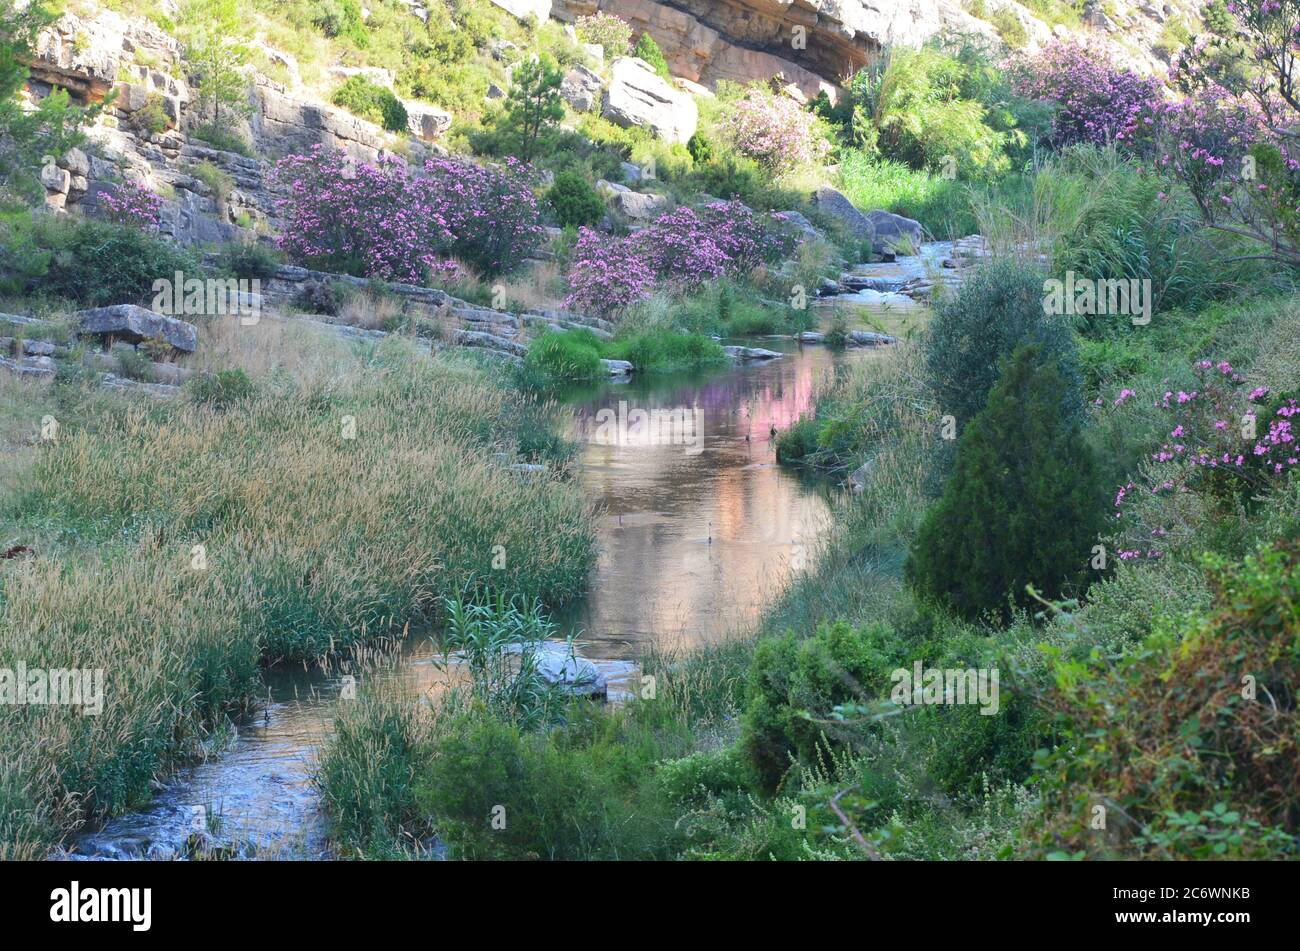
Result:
<point x="1215" y="443"/>
<point x="685" y="247"/>
<point x="774" y="130"/>
<point x="1098" y="102"/>
<point x="383" y="219"/>
<point x="132" y="204"/>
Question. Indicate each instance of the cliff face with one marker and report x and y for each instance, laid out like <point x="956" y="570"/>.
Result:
<point x="816" y="44"/>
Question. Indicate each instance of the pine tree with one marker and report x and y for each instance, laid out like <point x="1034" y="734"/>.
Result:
<point x="1023" y="505"/>
<point x="534" y="102"/>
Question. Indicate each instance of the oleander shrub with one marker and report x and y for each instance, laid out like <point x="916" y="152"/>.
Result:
<point x="611" y="32"/>
<point x="774" y="130"/>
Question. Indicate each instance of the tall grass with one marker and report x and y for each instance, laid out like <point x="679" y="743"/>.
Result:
<point x="179" y="546"/>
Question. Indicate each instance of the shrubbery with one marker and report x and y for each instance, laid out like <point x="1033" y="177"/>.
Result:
<point x="371" y="101"/>
<point x="773" y="130"/>
<point x="574" y="201"/>
<point x="1023" y="504"/>
<point x="997" y="308"/>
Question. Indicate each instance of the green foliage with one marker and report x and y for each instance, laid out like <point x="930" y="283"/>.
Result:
<point x="1023" y="505"/>
<point x="217" y="37"/>
<point x="533" y="104"/>
<point x="249" y="260"/>
<point x="93" y="262"/>
<point x="1009" y="27"/>
<point x="648" y="50"/>
<point x="574" y="201"/>
<point x="220" y="390"/>
<point x="998" y="307"/>
<point x="342" y="19"/>
<point x="586" y="791"/>
<point x="223" y="138"/>
<point x="26" y="138"/>
<point x="567" y="355"/>
<point x="662" y="349"/>
<point x="793" y="688"/>
<point x="371" y="101"/>
<point x="1190" y="742"/>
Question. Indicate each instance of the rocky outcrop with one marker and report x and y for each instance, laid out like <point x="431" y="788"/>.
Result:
<point x="523" y="9"/>
<point x="894" y="232"/>
<point x="581" y="88"/>
<point x="837" y="205"/>
<point x="637" y="96"/>
<point x="637" y="206"/>
<point x="135" y="324"/>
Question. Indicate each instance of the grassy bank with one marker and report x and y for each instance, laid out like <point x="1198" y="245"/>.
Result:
<point x="182" y="544"/>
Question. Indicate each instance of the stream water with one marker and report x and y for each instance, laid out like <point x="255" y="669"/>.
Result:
<point x="699" y="529"/>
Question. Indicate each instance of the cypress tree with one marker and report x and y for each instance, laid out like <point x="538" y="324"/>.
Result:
<point x="1023" y="505"/>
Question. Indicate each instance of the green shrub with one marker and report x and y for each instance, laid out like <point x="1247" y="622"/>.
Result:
<point x="999" y="307"/>
<point x="221" y="389"/>
<point x="95" y="263"/>
<point x="371" y="101"/>
<point x="1191" y="743"/>
<point x="660" y="349"/>
<point x="794" y="687"/>
<point x="223" y="138"/>
<point x="151" y="119"/>
<point x="703" y="774"/>
<point x="575" y="202"/>
<point x="249" y="260"/>
<point x="648" y="50"/>
<point x="341" y="18"/>
<point x="1023" y="505"/>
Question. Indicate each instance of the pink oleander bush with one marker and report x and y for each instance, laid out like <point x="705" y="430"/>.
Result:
<point x="684" y="248"/>
<point x="133" y="205"/>
<point x="384" y="219"/>
<point x="1227" y="444"/>
<point x="1097" y="101"/>
<point x="774" y="131"/>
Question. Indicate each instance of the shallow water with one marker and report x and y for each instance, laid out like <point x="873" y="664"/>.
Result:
<point x="699" y="530"/>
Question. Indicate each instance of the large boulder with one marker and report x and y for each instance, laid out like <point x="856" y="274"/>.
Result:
<point x="637" y="206"/>
<point x="895" y="231"/>
<point x="135" y="324"/>
<point x="581" y="88"/>
<point x="425" y="121"/>
<point x="838" y="206"/>
<point x="638" y="96"/>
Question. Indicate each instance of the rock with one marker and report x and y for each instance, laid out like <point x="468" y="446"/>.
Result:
<point x="56" y="179"/>
<point x="523" y="9"/>
<point x="746" y="354"/>
<point x="801" y="224"/>
<point x="581" y="88"/>
<point x="113" y="382"/>
<point x="561" y="667"/>
<point x="76" y="162"/>
<point x="135" y="324"/>
<point x="38" y="348"/>
<point x="895" y="231"/>
<point x="868" y="338"/>
<point x="617" y="367"/>
<point x="812" y="336"/>
<point x="495" y="92"/>
<point x="638" y="96"/>
<point x="631" y="172"/>
<point x="425" y="121"/>
<point x="635" y="205"/>
<point x="30" y="368"/>
<point x="487" y="341"/>
<point x="857" y="480"/>
<point x="835" y="204"/>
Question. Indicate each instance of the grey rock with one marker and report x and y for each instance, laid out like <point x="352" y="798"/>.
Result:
<point x="581" y="88"/>
<point x="135" y="324"/>
<point x="894" y="231"/>
<point x="638" y="96"/>
<point x="837" y="205"/>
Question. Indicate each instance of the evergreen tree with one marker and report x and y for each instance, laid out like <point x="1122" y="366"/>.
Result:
<point x="1023" y="505"/>
<point x="648" y="50"/>
<point x="27" y="139"/>
<point x="534" y="102"/>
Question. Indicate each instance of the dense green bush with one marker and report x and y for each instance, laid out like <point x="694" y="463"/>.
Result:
<point x="93" y="263"/>
<point x="371" y="101"/>
<point x="793" y="688"/>
<point x="1191" y="743"/>
<point x="574" y="201"/>
<point x="1023" y="505"/>
<point x="221" y="389"/>
<point x="567" y="355"/>
<point x="648" y="50"/>
<point x="998" y="307"/>
<point x="249" y="260"/>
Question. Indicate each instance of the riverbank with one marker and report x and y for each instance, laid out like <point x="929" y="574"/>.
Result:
<point x="178" y="546"/>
